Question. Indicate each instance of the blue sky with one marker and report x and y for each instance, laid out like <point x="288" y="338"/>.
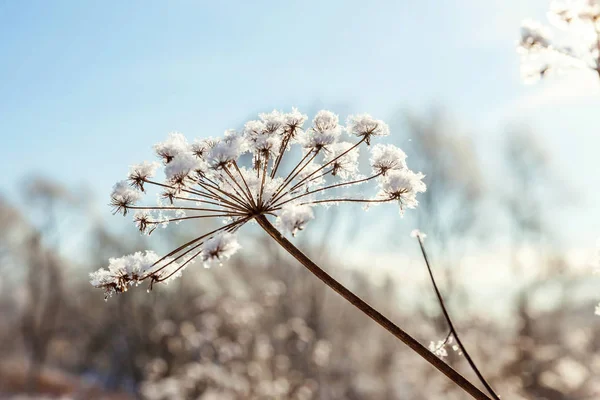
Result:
<point x="88" y="86"/>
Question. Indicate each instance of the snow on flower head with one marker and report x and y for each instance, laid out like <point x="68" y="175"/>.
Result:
<point x="175" y="144"/>
<point x="253" y="175"/>
<point x="534" y="34"/>
<point x="143" y="222"/>
<point x="403" y="186"/>
<point x="139" y="173"/>
<point x="273" y="121"/>
<point x="129" y="270"/>
<point x="293" y="218"/>
<point x="563" y="14"/>
<point x="226" y="150"/>
<point x="294" y="120"/>
<point x="123" y="197"/>
<point x="365" y="126"/>
<point x="261" y="139"/>
<point x="182" y="167"/>
<point x="577" y="48"/>
<point x="200" y="147"/>
<point x="219" y="248"/>
<point x="385" y="157"/>
<point x="324" y="132"/>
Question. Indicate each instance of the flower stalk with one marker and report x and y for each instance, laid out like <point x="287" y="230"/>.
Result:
<point x="371" y="312"/>
<point x="453" y="330"/>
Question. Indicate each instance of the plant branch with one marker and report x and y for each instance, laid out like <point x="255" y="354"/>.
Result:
<point x="371" y="312"/>
<point x="451" y="325"/>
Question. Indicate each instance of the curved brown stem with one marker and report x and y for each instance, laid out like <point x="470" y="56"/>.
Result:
<point x="451" y="325"/>
<point x="371" y="312"/>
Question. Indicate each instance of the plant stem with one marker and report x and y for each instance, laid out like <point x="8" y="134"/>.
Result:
<point x="371" y="312"/>
<point x="451" y="325"/>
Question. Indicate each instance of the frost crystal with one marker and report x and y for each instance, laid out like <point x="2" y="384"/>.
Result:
<point x="244" y="176"/>
<point x="439" y="348"/>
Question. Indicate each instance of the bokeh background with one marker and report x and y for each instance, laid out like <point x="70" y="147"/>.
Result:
<point x="511" y="210"/>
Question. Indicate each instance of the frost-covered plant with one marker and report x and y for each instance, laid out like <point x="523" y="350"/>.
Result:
<point x="577" y="48"/>
<point x="237" y="179"/>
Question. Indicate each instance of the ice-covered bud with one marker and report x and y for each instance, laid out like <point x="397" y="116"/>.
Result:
<point x="103" y="279"/>
<point x="402" y="185"/>
<point x="260" y="139"/>
<point x="123" y="196"/>
<point x="293" y="218"/>
<point x="273" y="121"/>
<point x="294" y="120"/>
<point x="326" y="121"/>
<point x="590" y="11"/>
<point x="219" y="248"/>
<point x="325" y="131"/>
<point x="200" y="147"/>
<point x="560" y="14"/>
<point x="385" y="157"/>
<point x="169" y="195"/>
<point x="176" y="143"/>
<point x="345" y="165"/>
<point x="226" y="151"/>
<point x="182" y="167"/>
<point x="143" y="221"/>
<point x="534" y="35"/>
<point x="140" y="172"/>
<point x="365" y="126"/>
<point x="574" y="12"/>
<point x="254" y="128"/>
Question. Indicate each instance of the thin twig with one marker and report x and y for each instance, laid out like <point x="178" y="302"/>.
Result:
<point x="451" y="325"/>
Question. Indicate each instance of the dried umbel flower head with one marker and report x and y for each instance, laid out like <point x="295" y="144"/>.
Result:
<point x="237" y="178"/>
<point x="580" y="45"/>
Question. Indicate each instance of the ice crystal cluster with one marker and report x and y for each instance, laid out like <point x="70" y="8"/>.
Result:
<point x="578" y="45"/>
<point x="240" y="176"/>
<point x="439" y="348"/>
